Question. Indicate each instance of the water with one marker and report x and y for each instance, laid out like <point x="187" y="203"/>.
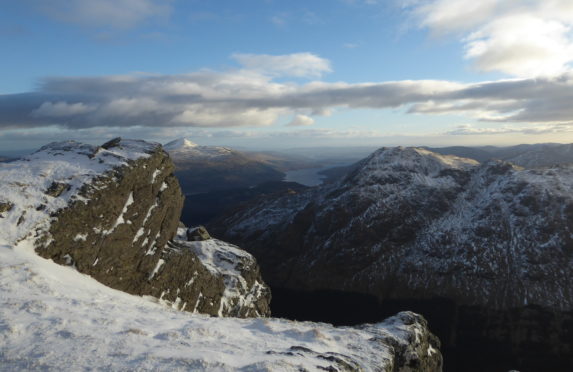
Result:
<point x="307" y="177"/>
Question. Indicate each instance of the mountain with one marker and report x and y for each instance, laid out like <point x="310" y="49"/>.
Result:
<point x="201" y="208"/>
<point x="527" y="156"/>
<point x="96" y="272"/>
<point x="208" y="168"/>
<point x="492" y="240"/>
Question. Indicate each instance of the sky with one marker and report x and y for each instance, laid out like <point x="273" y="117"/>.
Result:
<point x="277" y="74"/>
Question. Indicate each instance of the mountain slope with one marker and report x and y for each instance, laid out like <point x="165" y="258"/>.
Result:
<point x="528" y="156"/>
<point x="493" y="242"/>
<point x="437" y="225"/>
<point x="209" y="168"/>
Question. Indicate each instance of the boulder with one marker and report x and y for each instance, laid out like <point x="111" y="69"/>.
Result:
<point x="5" y="206"/>
<point x="198" y="233"/>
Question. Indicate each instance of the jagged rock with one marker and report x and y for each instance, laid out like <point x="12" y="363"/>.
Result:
<point x="57" y="188"/>
<point x="5" y="207"/>
<point x="111" y="143"/>
<point x="244" y="293"/>
<point x="114" y="223"/>
<point x="197" y="234"/>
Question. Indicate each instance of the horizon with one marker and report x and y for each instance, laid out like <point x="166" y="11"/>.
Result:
<point x="266" y="74"/>
<point x="15" y="153"/>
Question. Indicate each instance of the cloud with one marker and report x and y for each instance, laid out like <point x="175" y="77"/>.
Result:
<point x="61" y="109"/>
<point x="467" y="129"/>
<point x="118" y="14"/>
<point x="279" y="20"/>
<point x="251" y="97"/>
<point x="297" y="64"/>
<point x="301" y="121"/>
<point x="521" y="38"/>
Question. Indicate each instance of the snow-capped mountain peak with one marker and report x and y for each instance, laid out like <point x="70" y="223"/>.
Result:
<point x="179" y="144"/>
<point x="183" y="148"/>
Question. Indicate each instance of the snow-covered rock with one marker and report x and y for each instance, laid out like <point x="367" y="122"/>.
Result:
<point x="112" y="212"/>
<point x="54" y="318"/>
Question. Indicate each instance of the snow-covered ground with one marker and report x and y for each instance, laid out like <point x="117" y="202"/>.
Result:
<point x="54" y="318"/>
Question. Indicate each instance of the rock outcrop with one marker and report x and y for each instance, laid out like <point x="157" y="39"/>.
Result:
<point x="113" y="212"/>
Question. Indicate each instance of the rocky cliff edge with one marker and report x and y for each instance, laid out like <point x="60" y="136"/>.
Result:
<point x="112" y="212"/>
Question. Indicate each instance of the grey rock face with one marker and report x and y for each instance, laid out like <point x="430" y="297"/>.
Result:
<point x="117" y="227"/>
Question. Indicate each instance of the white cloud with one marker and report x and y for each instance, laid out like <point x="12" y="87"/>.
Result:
<point x="301" y="121"/>
<point x="62" y="109"/>
<point x="468" y="129"/>
<point x="120" y="14"/>
<point x="297" y="64"/>
<point x="446" y="16"/>
<point x="517" y="37"/>
<point x="249" y="98"/>
<point x="279" y="20"/>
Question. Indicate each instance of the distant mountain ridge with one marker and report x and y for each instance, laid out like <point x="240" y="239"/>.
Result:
<point x="494" y="240"/>
<point x="527" y="156"/>
<point x="208" y="168"/>
<point x="410" y="204"/>
<point x="185" y="149"/>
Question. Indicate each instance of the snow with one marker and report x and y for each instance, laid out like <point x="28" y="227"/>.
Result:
<point x="80" y="237"/>
<point x="154" y="175"/>
<point x="183" y="148"/>
<point x="120" y="220"/>
<point x="138" y="235"/>
<point x="54" y="318"/>
<point x="24" y="183"/>
<point x="179" y="144"/>
<point x="160" y="263"/>
<point x="227" y="261"/>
